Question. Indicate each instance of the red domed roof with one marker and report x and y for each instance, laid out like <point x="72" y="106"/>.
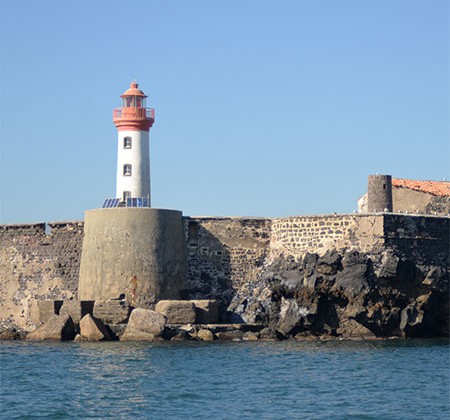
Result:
<point x="133" y="91"/>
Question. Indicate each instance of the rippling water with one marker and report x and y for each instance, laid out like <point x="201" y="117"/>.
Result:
<point x="263" y="380"/>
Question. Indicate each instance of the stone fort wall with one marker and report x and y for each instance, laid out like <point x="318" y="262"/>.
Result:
<point x="224" y="254"/>
<point x="37" y="261"/>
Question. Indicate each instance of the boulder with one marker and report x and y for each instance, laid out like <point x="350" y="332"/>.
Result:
<point x="177" y="311"/>
<point x="389" y="265"/>
<point x="267" y="334"/>
<point x="145" y="325"/>
<point x="76" y="309"/>
<point x="117" y="329"/>
<point x="411" y="318"/>
<point x="12" y="334"/>
<point x="79" y="338"/>
<point x="206" y="311"/>
<point x="56" y="328"/>
<point x="328" y="264"/>
<point x="437" y="279"/>
<point x="309" y="270"/>
<point x="291" y="316"/>
<point x="181" y="336"/>
<point x="350" y="328"/>
<point x="353" y="277"/>
<point x="112" y="311"/>
<point x="292" y="279"/>
<point x="251" y="336"/>
<point x="136" y="335"/>
<point x="235" y="335"/>
<point x="205" y="335"/>
<point x="92" y="329"/>
<point x="420" y="319"/>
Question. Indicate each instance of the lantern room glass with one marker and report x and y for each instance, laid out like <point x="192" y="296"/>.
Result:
<point x="134" y="102"/>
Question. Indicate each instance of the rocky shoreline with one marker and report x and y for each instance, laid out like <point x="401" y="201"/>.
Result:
<point x="349" y="294"/>
<point x="339" y="295"/>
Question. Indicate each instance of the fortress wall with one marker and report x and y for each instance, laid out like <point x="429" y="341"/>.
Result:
<point x="36" y="265"/>
<point x="426" y="238"/>
<point x="223" y="253"/>
<point x="406" y="200"/>
<point x="411" y="201"/>
<point x="299" y="235"/>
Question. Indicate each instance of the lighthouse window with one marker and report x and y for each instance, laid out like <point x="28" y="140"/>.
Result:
<point x="127" y="143"/>
<point x="127" y="170"/>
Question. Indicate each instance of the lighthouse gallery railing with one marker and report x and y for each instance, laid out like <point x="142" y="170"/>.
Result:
<point x="134" y="113"/>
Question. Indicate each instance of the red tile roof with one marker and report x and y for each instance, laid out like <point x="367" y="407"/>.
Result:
<point x="441" y="188"/>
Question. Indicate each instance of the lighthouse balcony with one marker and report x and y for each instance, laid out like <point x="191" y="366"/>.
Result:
<point x="124" y="113"/>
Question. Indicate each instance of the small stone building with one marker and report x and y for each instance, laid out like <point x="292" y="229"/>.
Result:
<point x="405" y="196"/>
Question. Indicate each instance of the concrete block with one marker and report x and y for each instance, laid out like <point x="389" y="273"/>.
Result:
<point x="56" y="328"/>
<point x="77" y="309"/>
<point x="112" y="311"/>
<point x="206" y="311"/>
<point x="92" y="329"/>
<point x="48" y="308"/>
<point x="177" y="311"/>
<point x="144" y="325"/>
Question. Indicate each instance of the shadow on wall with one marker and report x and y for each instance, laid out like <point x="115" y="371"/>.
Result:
<point x="209" y="267"/>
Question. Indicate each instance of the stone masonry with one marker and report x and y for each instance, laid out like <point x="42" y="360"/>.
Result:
<point x="224" y="255"/>
<point x="37" y="265"/>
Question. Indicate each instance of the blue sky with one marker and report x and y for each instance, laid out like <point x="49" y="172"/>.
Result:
<point x="263" y="108"/>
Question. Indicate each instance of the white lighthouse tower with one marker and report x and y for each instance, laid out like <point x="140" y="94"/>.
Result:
<point x="133" y="121"/>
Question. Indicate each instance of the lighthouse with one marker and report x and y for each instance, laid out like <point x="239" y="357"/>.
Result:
<point x="133" y="121"/>
<point x="132" y="251"/>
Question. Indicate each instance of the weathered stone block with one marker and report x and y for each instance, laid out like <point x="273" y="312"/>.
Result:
<point x="92" y="329"/>
<point x="77" y="309"/>
<point x="236" y="335"/>
<point x="56" y="328"/>
<point x="251" y="336"/>
<point x="112" y="311"/>
<point x="206" y="311"/>
<point x="147" y="321"/>
<point x="48" y="308"/>
<point x="136" y="335"/>
<point x="205" y="335"/>
<point x="177" y="311"/>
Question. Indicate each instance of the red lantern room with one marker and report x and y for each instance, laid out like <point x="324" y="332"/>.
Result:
<point x="133" y="115"/>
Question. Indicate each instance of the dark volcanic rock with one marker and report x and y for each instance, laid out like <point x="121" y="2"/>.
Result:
<point x="348" y="294"/>
<point x="353" y="278"/>
<point x="329" y="263"/>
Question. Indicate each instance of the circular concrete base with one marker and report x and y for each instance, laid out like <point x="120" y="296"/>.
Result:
<point x="134" y="253"/>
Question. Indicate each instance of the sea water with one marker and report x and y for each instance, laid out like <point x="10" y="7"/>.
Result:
<point x="393" y="379"/>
